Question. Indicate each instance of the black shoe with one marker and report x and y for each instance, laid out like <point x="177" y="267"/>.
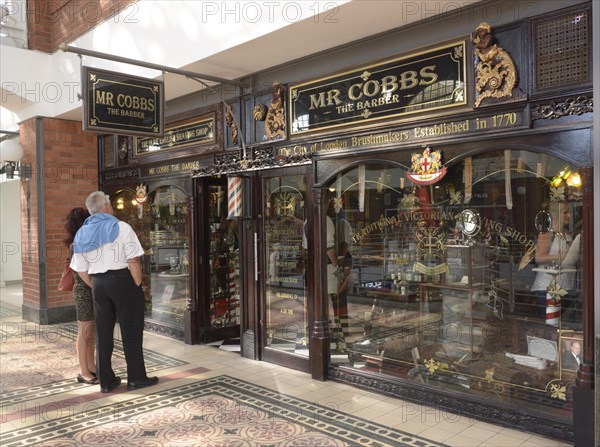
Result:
<point x="111" y="386"/>
<point x="92" y="381"/>
<point x="148" y="381"/>
<point x="93" y="373"/>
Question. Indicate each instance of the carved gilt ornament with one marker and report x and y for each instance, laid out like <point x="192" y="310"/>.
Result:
<point x="496" y="74"/>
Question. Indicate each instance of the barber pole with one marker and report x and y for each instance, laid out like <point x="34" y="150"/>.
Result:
<point x="234" y="197"/>
<point x="552" y="310"/>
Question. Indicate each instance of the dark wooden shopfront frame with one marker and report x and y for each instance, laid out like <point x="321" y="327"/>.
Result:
<point x="572" y="145"/>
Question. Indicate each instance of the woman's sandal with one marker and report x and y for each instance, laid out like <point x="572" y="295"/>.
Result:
<point x="92" y="381"/>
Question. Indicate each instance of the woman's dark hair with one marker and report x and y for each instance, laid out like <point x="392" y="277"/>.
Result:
<point x="74" y="221"/>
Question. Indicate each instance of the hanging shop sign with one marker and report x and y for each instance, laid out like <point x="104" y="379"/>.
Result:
<point x="197" y="132"/>
<point x="123" y="104"/>
<point x="425" y="81"/>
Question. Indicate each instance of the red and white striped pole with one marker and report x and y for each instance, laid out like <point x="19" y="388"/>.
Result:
<point x="234" y="197"/>
<point x="552" y="310"/>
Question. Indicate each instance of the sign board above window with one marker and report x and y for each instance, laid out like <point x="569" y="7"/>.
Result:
<point x="197" y="132"/>
<point x="123" y="104"/>
<point x="424" y="81"/>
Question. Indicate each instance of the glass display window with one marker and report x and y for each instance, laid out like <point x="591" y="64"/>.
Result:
<point x="160" y="220"/>
<point x="471" y="283"/>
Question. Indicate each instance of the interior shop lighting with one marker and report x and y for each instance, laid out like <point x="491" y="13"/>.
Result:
<point x="574" y="180"/>
<point x="569" y="177"/>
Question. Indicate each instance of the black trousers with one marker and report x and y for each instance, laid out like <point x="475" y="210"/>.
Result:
<point x="117" y="296"/>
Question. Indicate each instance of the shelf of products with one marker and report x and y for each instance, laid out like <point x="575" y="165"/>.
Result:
<point x="224" y="291"/>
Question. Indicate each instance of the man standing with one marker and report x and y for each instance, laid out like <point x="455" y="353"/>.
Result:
<point x="106" y="255"/>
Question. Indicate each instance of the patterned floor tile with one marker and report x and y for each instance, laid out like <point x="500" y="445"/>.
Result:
<point x="41" y="360"/>
<point x="220" y="411"/>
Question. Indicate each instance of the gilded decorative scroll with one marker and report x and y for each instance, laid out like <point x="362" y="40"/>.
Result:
<point x="496" y="72"/>
<point x="230" y="121"/>
<point x="275" y="119"/>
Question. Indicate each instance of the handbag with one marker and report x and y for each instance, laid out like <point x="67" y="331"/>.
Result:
<point x="66" y="280"/>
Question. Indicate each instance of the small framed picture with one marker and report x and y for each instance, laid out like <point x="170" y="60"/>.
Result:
<point x="571" y="351"/>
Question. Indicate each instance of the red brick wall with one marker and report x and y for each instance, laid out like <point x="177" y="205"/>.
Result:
<point x="52" y="22"/>
<point x="29" y="229"/>
<point x="69" y="173"/>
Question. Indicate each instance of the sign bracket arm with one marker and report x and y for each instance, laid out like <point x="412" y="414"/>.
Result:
<point x="82" y="51"/>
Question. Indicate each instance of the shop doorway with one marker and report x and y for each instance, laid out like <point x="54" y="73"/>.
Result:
<point x="218" y="260"/>
<point x="284" y="246"/>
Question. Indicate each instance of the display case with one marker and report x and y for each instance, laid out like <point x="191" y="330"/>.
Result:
<point x="223" y="262"/>
<point x="166" y="215"/>
<point x="159" y="217"/>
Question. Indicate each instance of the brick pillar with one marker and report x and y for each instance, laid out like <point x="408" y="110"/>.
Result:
<point x="64" y="171"/>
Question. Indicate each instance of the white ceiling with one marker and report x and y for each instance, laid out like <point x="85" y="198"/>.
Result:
<point x="228" y="40"/>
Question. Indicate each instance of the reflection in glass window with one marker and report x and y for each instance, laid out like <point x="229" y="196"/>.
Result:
<point x="285" y="250"/>
<point x="473" y="283"/>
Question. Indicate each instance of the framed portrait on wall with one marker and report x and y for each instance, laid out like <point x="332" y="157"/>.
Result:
<point x="571" y="351"/>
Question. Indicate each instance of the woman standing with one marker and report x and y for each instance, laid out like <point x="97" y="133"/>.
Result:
<point x="84" y="307"/>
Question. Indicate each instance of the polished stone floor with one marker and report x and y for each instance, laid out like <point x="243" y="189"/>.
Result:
<point x="207" y="396"/>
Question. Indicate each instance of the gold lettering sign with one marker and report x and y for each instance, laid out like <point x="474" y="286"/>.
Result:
<point x="174" y="168"/>
<point x="445" y="130"/>
<point x="391" y="88"/>
<point x="198" y="132"/>
<point x="123" y="104"/>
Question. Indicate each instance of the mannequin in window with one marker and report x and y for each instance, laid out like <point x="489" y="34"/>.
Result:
<point x="332" y="267"/>
<point x="553" y="250"/>
<point x="343" y="277"/>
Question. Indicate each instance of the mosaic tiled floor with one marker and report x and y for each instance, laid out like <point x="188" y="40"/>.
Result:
<point x="211" y="397"/>
<point x="219" y="412"/>
<point x="41" y="360"/>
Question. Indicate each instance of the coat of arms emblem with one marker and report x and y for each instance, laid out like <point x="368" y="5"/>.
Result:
<point x="426" y="168"/>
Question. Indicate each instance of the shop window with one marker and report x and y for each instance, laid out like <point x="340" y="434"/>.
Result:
<point x="472" y="284"/>
<point x="161" y="225"/>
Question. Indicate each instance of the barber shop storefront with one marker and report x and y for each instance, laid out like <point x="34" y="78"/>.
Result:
<point x="423" y="228"/>
<point x="419" y="225"/>
<point x="150" y="187"/>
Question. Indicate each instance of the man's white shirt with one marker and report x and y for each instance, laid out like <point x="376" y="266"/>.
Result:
<point x="110" y="256"/>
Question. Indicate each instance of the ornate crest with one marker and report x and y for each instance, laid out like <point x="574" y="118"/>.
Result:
<point x="141" y="194"/>
<point x="426" y="168"/>
<point x="285" y="204"/>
